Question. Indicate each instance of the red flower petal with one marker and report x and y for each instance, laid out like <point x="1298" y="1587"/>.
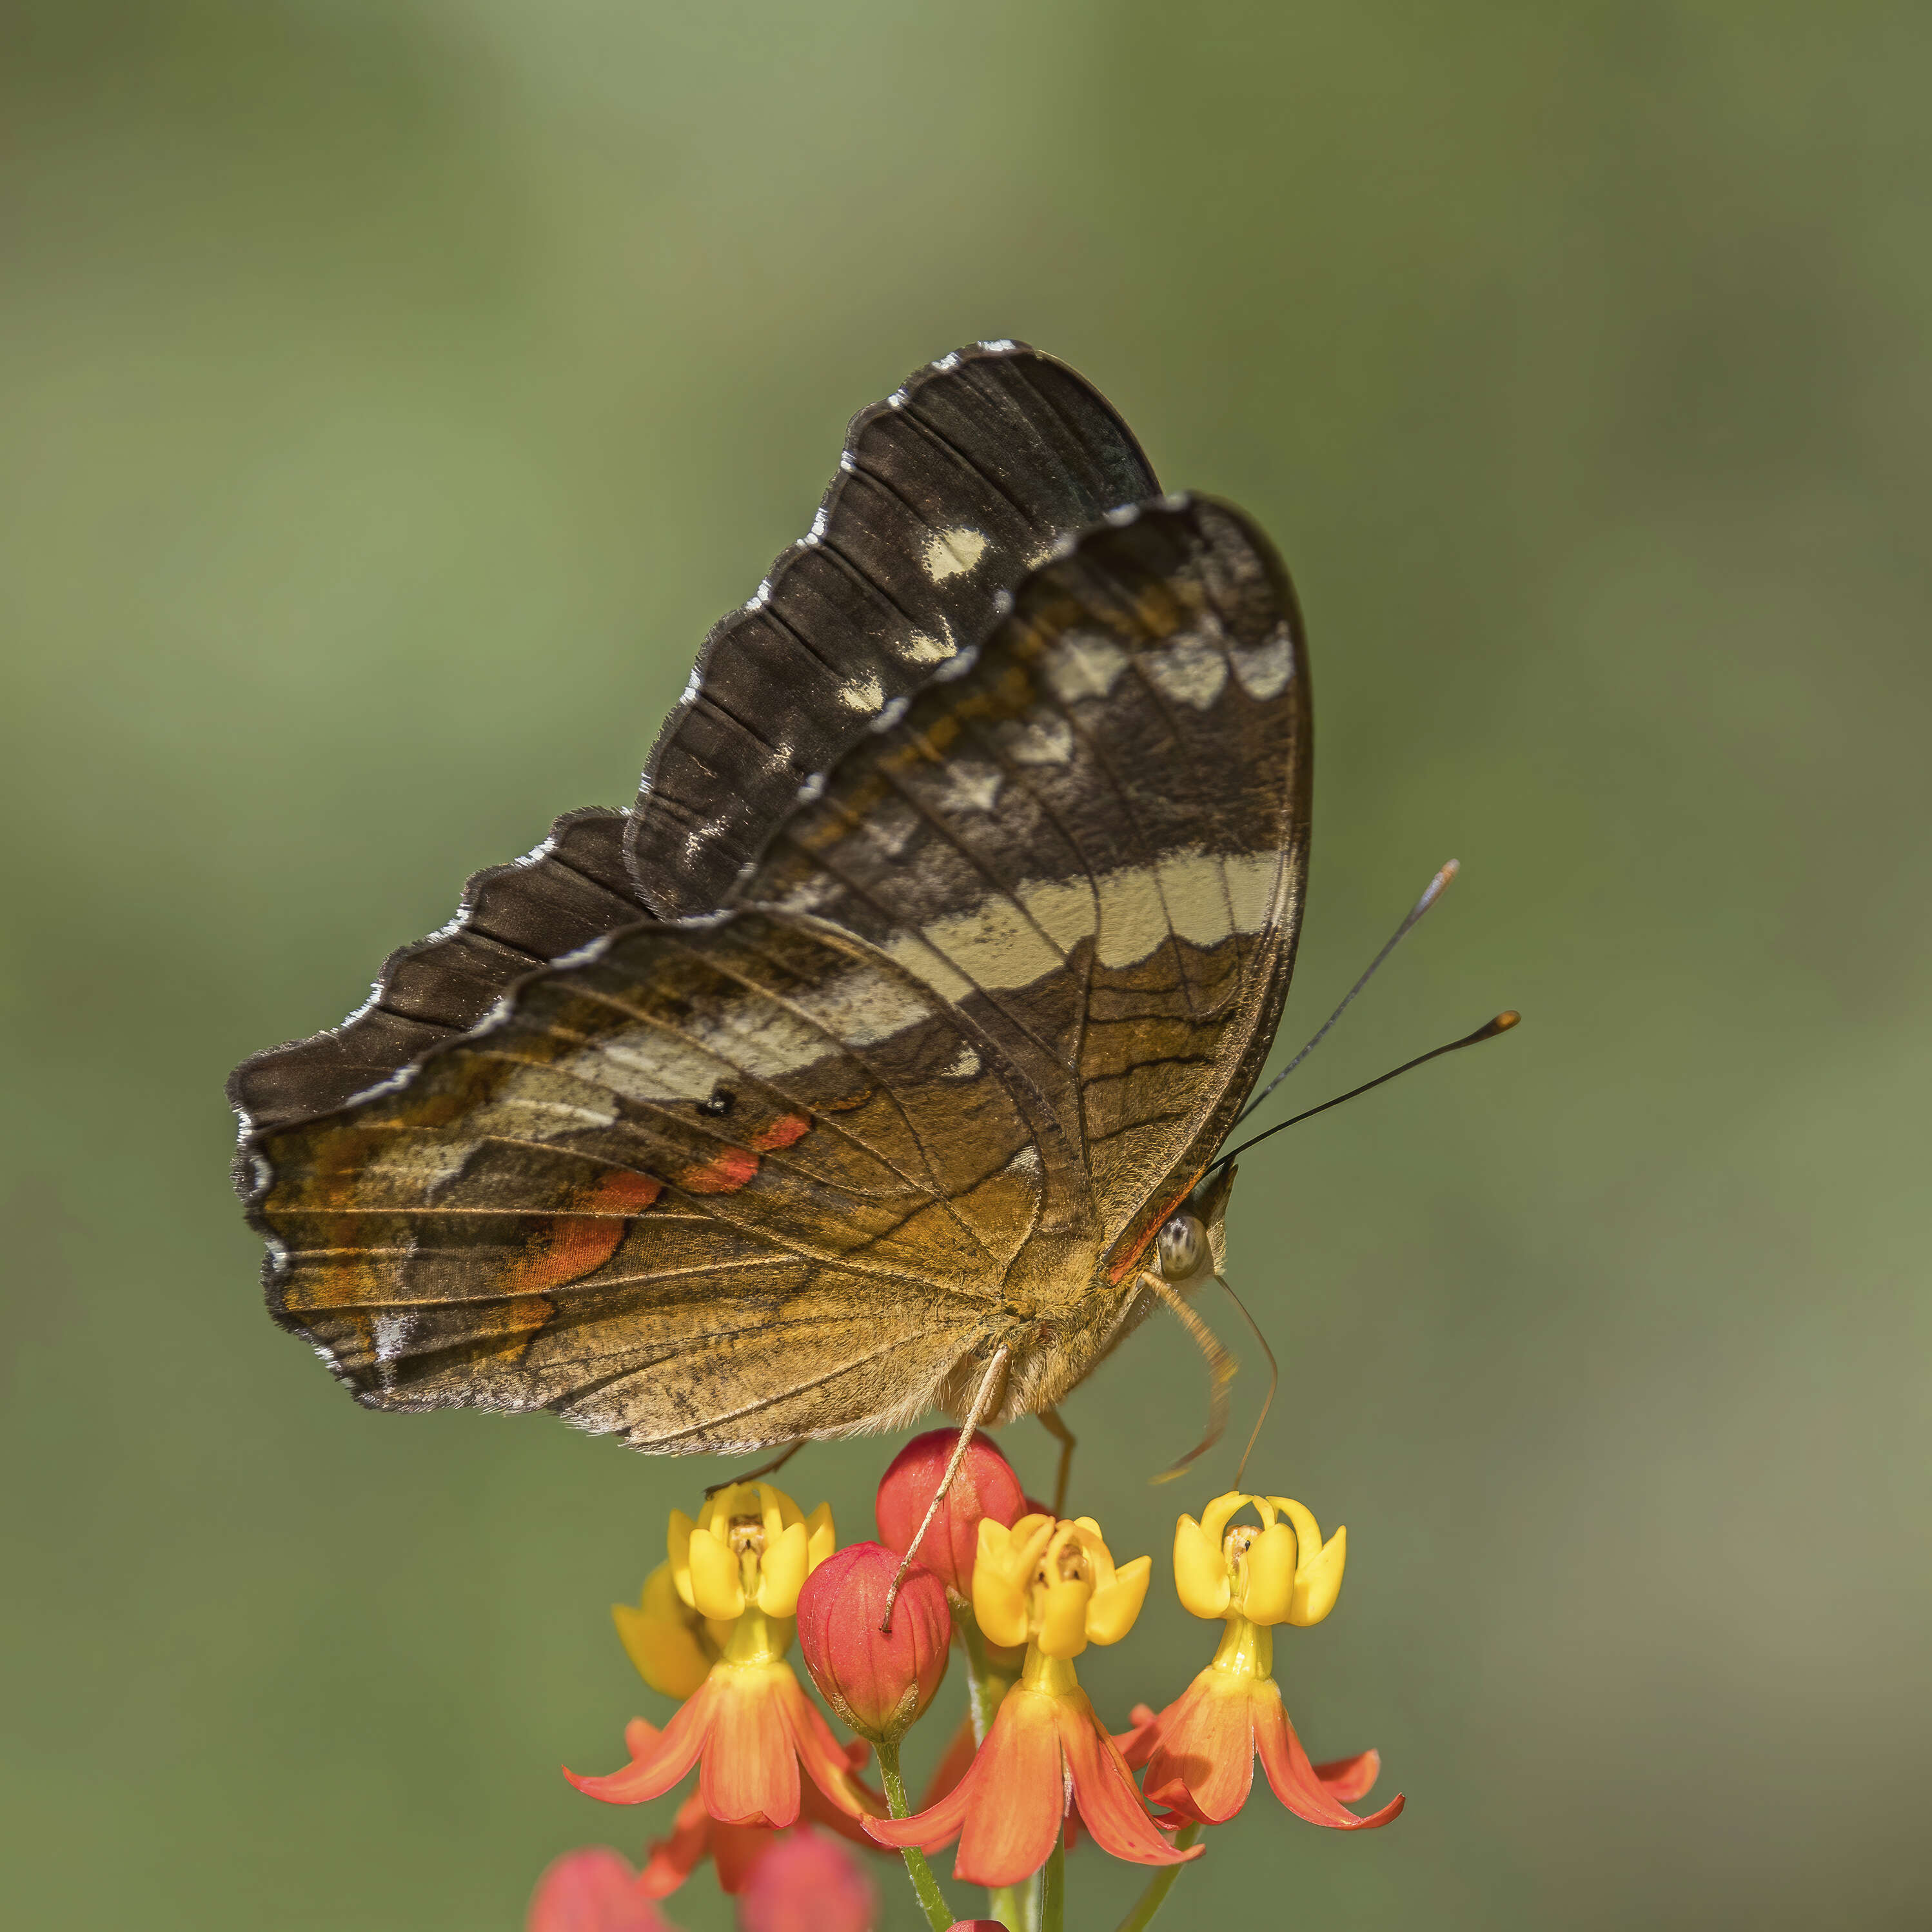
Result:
<point x="1292" y="1777"/>
<point x="1103" y="1789"/>
<point x="807" y="1883"/>
<point x="593" y="1890"/>
<point x="1349" y="1778"/>
<point x="750" y="1775"/>
<point x="667" y="1758"/>
<point x="1202" y="1763"/>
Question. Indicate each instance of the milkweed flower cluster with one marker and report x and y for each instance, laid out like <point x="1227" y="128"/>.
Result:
<point x="779" y="1803"/>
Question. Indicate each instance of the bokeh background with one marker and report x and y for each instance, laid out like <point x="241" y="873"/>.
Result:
<point x="394" y="391"/>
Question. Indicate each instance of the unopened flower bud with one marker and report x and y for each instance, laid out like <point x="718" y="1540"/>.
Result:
<point x="879" y="1682"/>
<point x="984" y="1488"/>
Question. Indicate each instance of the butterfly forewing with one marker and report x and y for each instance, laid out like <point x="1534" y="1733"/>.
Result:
<point x="948" y="493"/>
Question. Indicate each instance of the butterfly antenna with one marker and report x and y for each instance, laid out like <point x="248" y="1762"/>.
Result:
<point x="1488" y="1031"/>
<point x="1221" y="1366"/>
<point x="1433" y="891"/>
<point x="1274" y="1377"/>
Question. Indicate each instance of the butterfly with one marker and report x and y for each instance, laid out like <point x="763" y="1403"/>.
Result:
<point x="874" y="1060"/>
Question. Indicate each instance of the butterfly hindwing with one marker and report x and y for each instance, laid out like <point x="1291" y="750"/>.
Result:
<point x="718" y="1185"/>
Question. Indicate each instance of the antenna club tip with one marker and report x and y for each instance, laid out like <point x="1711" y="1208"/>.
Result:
<point x="1504" y="1022"/>
<point x="1450" y="867"/>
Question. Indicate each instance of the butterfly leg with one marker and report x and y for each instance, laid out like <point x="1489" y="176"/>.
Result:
<point x="983" y="1400"/>
<point x="1050" y="1420"/>
<point x="770" y="1468"/>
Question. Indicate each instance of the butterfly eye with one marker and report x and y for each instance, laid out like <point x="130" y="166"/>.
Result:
<point x="1183" y="1248"/>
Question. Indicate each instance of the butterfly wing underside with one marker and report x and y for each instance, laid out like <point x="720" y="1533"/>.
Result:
<point x="996" y="446"/>
<point x="793" y="1169"/>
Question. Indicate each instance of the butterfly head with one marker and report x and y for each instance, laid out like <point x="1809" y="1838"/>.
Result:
<point x="1192" y="1244"/>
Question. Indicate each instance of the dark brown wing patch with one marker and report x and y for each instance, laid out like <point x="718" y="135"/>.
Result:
<point x="948" y="493"/>
<point x="511" y="920"/>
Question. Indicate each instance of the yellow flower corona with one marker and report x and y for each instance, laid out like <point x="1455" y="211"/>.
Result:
<point x="1053" y="1585"/>
<point x="752" y="1547"/>
<point x="673" y="1647"/>
<point x="1282" y="1573"/>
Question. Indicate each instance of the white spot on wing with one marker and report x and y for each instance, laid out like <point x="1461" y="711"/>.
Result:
<point x="952" y="553"/>
<point x="1083" y="663"/>
<point x="1042" y="738"/>
<point x="971" y="786"/>
<point x="1264" y="670"/>
<point x="964" y="1065"/>
<point x="924" y="649"/>
<point x="890" y="825"/>
<point x="1189" y="669"/>
<point x="392" y="1337"/>
<point x="864" y="693"/>
<point x="816" y="893"/>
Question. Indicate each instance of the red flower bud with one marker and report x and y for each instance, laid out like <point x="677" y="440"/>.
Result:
<point x="985" y="1486"/>
<point x="878" y="1683"/>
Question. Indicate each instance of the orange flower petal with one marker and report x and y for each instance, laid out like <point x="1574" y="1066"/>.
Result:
<point x="736" y="1850"/>
<point x="937" y="1825"/>
<point x="667" y="1757"/>
<point x="669" y="1861"/>
<point x="1292" y="1777"/>
<point x="750" y="1775"/>
<point x="1138" y="1741"/>
<point x="953" y="1766"/>
<point x="1349" y="1778"/>
<point x="1103" y="1789"/>
<point x="825" y="1760"/>
<point x="1202" y="1763"/>
<point x="1019" y="1794"/>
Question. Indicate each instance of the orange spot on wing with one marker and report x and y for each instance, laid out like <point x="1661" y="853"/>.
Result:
<point x="782" y="1133"/>
<point x="723" y="1174"/>
<point x="575" y="1244"/>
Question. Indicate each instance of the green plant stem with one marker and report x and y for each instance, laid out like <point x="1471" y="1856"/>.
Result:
<point x="1159" y="1885"/>
<point x="984" y="1687"/>
<point x="1053" y="1911"/>
<point x="932" y="1900"/>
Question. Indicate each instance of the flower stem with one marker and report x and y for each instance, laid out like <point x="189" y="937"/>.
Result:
<point x="1053" y="1914"/>
<point x="932" y="1900"/>
<point x="1158" y="1886"/>
<point x="984" y="1688"/>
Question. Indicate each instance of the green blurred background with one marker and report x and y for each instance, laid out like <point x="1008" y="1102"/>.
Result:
<point x="394" y="392"/>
